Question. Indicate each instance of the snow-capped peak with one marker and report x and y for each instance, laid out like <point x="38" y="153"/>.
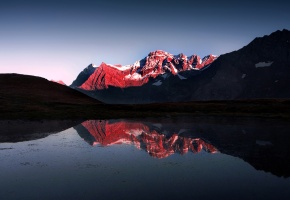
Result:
<point x="154" y="64"/>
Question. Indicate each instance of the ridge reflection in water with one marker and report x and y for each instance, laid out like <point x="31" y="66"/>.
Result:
<point x="157" y="142"/>
<point x="49" y="160"/>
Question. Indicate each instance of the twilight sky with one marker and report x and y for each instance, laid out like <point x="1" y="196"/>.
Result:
<point x="56" y="39"/>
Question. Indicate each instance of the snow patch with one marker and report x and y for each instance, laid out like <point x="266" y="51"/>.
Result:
<point x="264" y="64"/>
<point x="174" y="69"/>
<point x="158" y="83"/>
<point x="165" y="75"/>
<point x="135" y="132"/>
<point x="157" y="125"/>
<point x="121" y="68"/>
<point x="181" y="131"/>
<point x="207" y="66"/>
<point x="200" y="61"/>
<point x="120" y="141"/>
<point x="174" y="139"/>
<point x="134" y="76"/>
<point x="243" y="76"/>
<point x="136" y="64"/>
<point x="181" y="77"/>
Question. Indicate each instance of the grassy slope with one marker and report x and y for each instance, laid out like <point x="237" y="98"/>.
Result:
<point x="23" y="96"/>
<point x="29" y="97"/>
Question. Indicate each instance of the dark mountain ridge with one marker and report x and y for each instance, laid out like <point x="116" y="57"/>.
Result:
<point x="259" y="70"/>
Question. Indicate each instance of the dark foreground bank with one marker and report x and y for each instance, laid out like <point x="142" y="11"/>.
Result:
<point x="261" y="108"/>
<point x="30" y="97"/>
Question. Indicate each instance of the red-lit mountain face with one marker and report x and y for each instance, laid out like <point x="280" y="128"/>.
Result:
<point x="155" y="64"/>
<point x="157" y="144"/>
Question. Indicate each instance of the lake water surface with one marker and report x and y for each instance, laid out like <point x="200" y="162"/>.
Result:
<point x="156" y="158"/>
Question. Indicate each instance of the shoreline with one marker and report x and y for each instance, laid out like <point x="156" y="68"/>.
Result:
<point x="60" y="111"/>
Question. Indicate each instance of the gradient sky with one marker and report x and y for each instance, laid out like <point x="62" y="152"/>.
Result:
<point x="56" y="39"/>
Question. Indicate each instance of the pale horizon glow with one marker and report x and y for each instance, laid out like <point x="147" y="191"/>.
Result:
<point x="58" y="39"/>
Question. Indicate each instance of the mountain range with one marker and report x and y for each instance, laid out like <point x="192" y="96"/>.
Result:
<point x="251" y="81"/>
<point x="155" y="64"/>
<point x="260" y="70"/>
<point x="256" y="141"/>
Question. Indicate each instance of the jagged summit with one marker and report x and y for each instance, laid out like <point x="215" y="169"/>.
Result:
<point x="156" y="63"/>
<point x="84" y="75"/>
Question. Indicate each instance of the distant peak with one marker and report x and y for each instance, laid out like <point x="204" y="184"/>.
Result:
<point x="59" y="82"/>
<point x="92" y="65"/>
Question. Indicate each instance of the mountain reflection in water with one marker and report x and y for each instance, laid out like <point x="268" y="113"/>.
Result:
<point x="51" y="160"/>
<point x="261" y="142"/>
<point x="157" y="142"/>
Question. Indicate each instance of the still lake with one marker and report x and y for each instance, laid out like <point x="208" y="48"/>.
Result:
<point x="152" y="158"/>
